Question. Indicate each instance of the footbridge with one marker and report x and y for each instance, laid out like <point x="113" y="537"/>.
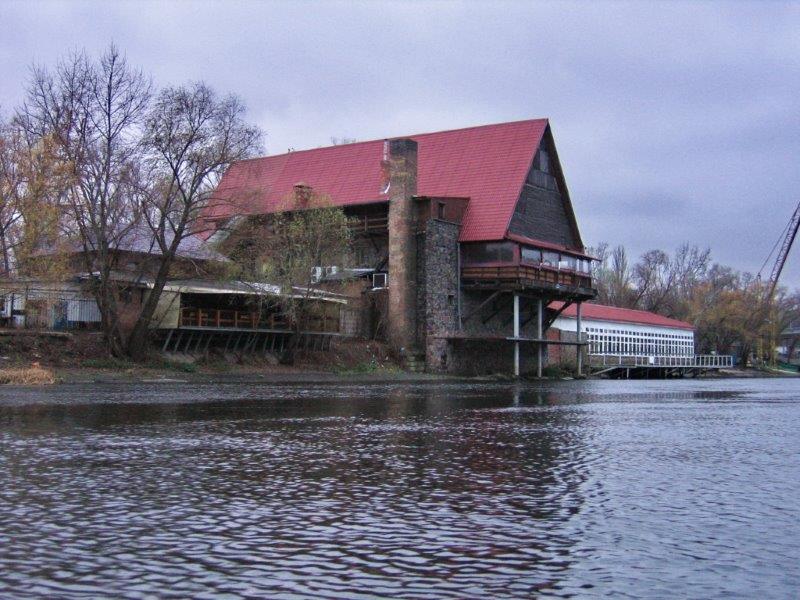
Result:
<point x="618" y="366"/>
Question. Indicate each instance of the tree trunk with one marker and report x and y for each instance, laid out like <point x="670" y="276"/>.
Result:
<point x="139" y="341"/>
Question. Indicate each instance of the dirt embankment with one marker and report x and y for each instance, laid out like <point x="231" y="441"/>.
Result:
<point x="28" y="357"/>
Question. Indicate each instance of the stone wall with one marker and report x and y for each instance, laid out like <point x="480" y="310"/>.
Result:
<point x="437" y="291"/>
<point x="487" y="357"/>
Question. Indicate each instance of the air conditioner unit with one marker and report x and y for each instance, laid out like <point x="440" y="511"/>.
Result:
<point x="316" y="274"/>
<point x="380" y="280"/>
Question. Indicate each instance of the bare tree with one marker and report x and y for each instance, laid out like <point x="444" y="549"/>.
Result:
<point x="613" y="276"/>
<point x="191" y="137"/>
<point x="94" y="111"/>
<point x="663" y="283"/>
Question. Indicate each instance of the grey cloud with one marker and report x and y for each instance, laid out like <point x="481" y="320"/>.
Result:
<point x="674" y="121"/>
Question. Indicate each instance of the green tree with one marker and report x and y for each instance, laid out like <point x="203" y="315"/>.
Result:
<point x="308" y="232"/>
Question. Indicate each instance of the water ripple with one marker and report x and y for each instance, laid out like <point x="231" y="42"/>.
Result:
<point x="451" y="491"/>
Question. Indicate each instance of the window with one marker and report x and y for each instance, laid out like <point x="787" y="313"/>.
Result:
<point x="531" y="255"/>
<point x="488" y="252"/>
<point x="543" y="161"/>
<point x="550" y="258"/>
<point x="567" y="262"/>
<point x="440" y="210"/>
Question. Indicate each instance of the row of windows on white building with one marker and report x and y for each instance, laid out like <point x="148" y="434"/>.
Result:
<point x="629" y="342"/>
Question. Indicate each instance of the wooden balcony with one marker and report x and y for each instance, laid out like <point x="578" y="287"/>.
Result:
<point x="369" y="225"/>
<point x="210" y="317"/>
<point x="558" y="283"/>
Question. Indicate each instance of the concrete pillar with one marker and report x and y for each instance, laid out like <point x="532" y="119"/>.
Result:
<point x="401" y="156"/>
<point x="516" y="335"/>
<point x="539" y="345"/>
<point x="580" y="348"/>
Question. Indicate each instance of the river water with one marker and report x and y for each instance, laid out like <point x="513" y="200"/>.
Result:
<point x="641" y="489"/>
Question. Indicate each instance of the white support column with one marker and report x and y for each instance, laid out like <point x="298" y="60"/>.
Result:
<point x="516" y="335"/>
<point x="580" y="339"/>
<point x="539" y="345"/>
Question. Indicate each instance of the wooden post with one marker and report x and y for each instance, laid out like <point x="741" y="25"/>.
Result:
<point x="516" y="335"/>
<point x="580" y="348"/>
<point x="539" y="309"/>
<point x="166" y="342"/>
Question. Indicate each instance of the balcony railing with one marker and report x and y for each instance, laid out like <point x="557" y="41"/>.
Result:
<point x="212" y="317"/>
<point x="525" y="275"/>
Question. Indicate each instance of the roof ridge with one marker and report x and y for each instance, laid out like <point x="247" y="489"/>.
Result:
<point x="638" y="310"/>
<point x="395" y="137"/>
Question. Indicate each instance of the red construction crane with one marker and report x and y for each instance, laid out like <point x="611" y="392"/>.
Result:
<point x="780" y="260"/>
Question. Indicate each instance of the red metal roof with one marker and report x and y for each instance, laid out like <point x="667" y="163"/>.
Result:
<point x="487" y="164"/>
<point x="600" y="312"/>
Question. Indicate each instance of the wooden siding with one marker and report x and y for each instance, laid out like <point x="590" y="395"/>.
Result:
<point x="542" y="215"/>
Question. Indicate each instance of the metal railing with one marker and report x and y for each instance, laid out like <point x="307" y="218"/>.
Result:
<point x="715" y="361"/>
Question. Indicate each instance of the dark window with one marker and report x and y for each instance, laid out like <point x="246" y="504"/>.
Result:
<point x="550" y="258"/>
<point x="488" y="253"/>
<point x="543" y="161"/>
<point x="440" y="210"/>
<point x="531" y="255"/>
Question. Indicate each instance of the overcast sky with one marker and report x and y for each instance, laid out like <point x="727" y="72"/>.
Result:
<point x="675" y="122"/>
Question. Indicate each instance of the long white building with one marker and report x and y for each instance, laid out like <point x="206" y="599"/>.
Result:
<point x="625" y="332"/>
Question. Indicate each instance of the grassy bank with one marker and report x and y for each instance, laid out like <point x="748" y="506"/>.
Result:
<point x="31" y="358"/>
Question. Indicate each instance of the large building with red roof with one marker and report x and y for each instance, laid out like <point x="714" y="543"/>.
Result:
<point x="470" y="234"/>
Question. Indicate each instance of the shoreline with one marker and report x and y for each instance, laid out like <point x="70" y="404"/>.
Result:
<point x="299" y="376"/>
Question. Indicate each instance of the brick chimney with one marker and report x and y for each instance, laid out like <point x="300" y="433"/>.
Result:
<point x="402" y="172"/>
<point x="302" y="194"/>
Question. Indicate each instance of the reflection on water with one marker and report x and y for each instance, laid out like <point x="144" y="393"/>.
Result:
<point x="652" y="489"/>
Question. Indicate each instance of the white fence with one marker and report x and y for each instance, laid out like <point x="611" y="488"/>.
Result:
<point x="48" y="309"/>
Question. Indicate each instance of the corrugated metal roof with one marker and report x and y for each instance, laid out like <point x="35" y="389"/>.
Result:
<point x="601" y="312"/>
<point x="245" y="288"/>
<point x="487" y="164"/>
<point x="140" y="239"/>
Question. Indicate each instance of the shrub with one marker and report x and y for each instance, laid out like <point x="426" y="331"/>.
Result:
<point x="33" y="375"/>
